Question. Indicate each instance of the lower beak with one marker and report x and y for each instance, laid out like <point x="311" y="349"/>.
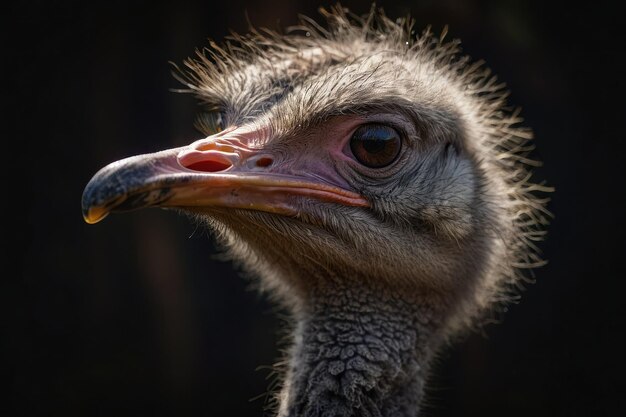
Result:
<point x="160" y="179"/>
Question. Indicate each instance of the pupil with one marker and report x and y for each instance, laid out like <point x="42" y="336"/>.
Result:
<point x="374" y="145"/>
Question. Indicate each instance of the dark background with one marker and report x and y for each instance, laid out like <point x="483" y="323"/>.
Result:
<point x="135" y="316"/>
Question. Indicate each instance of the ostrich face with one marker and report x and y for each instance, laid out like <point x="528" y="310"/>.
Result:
<point x="360" y="152"/>
<point x="304" y="181"/>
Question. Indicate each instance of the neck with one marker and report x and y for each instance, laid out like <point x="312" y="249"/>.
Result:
<point x="358" y="352"/>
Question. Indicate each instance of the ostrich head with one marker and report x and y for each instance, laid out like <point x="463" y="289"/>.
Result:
<point x="372" y="179"/>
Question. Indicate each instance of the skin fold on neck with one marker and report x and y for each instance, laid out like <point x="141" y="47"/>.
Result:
<point x="358" y="351"/>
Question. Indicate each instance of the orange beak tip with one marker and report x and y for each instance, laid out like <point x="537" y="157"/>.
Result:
<point x="93" y="215"/>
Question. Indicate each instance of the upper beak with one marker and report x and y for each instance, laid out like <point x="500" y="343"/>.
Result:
<point x="205" y="175"/>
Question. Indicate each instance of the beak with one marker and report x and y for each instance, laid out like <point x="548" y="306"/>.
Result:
<point x="206" y="174"/>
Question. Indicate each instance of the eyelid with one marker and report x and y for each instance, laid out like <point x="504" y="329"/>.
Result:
<point x="399" y="129"/>
<point x="403" y="126"/>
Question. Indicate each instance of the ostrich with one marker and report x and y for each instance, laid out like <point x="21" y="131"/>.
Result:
<point x="374" y="181"/>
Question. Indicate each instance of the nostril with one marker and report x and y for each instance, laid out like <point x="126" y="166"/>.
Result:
<point x="209" y="166"/>
<point x="264" y="162"/>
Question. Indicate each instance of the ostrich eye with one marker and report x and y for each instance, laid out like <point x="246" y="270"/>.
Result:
<point x="375" y="145"/>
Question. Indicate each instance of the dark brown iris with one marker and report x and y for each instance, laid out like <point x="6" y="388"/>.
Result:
<point x="375" y="145"/>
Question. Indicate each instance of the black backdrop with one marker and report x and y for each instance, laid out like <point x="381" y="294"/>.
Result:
<point x="135" y="316"/>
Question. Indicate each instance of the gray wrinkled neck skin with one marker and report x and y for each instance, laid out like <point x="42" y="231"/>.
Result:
<point x="358" y="352"/>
